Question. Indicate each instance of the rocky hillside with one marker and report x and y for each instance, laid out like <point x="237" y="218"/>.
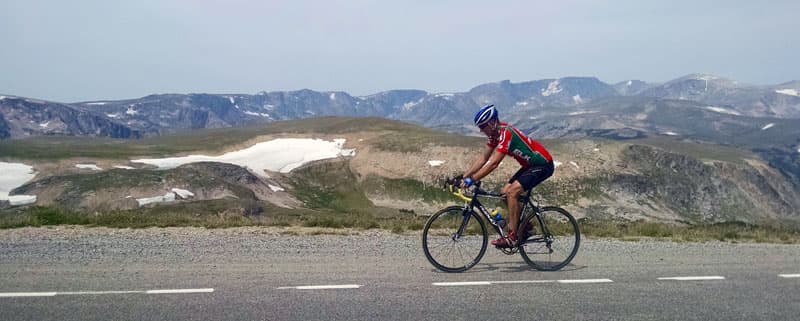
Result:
<point x="771" y="101"/>
<point x="705" y="108"/>
<point x="22" y="117"/>
<point x="392" y="173"/>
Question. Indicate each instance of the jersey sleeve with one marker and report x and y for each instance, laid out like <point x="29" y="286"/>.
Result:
<point x="503" y="140"/>
<point x="492" y="142"/>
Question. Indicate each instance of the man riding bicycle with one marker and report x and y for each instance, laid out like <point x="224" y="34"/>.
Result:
<point x="536" y="162"/>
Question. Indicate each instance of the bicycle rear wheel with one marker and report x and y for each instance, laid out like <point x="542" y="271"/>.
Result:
<point x="555" y="243"/>
<point x="448" y="251"/>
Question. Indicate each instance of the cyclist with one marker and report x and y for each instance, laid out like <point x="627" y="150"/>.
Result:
<point x="536" y="162"/>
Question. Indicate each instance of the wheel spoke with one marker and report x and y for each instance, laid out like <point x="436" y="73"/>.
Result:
<point x="451" y="255"/>
<point x="563" y="245"/>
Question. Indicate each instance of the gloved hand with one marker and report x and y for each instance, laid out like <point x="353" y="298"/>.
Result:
<point x="468" y="182"/>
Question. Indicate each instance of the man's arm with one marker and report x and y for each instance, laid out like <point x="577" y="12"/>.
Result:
<point x="479" y="162"/>
<point x="489" y="166"/>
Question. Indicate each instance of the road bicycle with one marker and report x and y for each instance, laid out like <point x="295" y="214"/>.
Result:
<point x="455" y="238"/>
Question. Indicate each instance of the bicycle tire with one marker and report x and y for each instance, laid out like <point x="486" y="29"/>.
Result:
<point x="564" y="238"/>
<point x="438" y="233"/>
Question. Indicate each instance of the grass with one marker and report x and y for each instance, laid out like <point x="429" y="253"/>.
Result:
<point x="329" y="185"/>
<point x="406" y="189"/>
<point x="733" y="232"/>
<point x="333" y="195"/>
<point x="403" y="137"/>
<point x="412" y="141"/>
<point x="230" y="213"/>
<point x="210" y="214"/>
<point x="699" y="150"/>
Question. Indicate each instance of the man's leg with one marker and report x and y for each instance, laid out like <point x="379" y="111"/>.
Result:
<point x="513" y="192"/>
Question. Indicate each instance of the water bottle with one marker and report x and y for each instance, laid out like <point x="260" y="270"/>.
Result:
<point x="498" y="219"/>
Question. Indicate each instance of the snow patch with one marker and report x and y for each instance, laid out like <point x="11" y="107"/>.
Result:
<point x="582" y="112"/>
<point x="112" y="115"/>
<point x="13" y="175"/>
<point x="332" y="96"/>
<point x="89" y="166"/>
<point x="411" y="104"/>
<point x="44" y="125"/>
<point x="275" y="188"/>
<point x="233" y="102"/>
<point x="723" y="110"/>
<point x="630" y="83"/>
<point x="168" y="197"/>
<point x="99" y="103"/>
<point x="790" y="92"/>
<point x="552" y="88"/>
<point x="577" y="99"/>
<point x="123" y="167"/>
<point x="435" y="163"/>
<point x="3" y="97"/>
<point x="768" y="126"/>
<point x="522" y="103"/>
<point x="268" y="106"/>
<point x="706" y="77"/>
<point x="182" y="193"/>
<point x="280" y="155"/>
<point x="344" y="152"/>
<point x="256" y="114"/>
<point x="671" y="133"/>
<point x="131" y="111"/>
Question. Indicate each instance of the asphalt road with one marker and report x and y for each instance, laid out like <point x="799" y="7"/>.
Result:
<point x="253" y="274"/>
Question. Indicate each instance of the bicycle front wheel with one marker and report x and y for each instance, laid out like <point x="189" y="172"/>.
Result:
<point x="555" y="241"/>
<point x="454" y="240"/>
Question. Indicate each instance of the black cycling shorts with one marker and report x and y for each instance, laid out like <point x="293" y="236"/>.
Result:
<point x="529" y="177"/>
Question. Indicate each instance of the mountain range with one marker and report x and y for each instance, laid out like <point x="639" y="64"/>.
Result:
<point x="570" y="96"/>
<point x="697" y="107"/>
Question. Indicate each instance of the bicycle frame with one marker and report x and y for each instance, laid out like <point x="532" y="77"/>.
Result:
<point x="537" y="244"/>
<point x="470" y="203"/>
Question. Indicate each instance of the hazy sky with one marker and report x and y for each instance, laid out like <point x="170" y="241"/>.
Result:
<point x="91" y="50"/>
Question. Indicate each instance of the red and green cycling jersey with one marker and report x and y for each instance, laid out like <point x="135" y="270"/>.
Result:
<point x="527" y="151"/>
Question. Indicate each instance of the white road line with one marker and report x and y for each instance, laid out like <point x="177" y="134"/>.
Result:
<point x="25" y="294"/>
<point x="461" y="283"/>
<point x="321" y="287"/>
<point x="522" y="282"/>
<point x="171" y="291"/>
<point x="586" y="281"/>
<point x="693" y="278"/>
<point x="165" y="291"/>
<point x="789" y="275"/>
<point x="470" y="283"/>
<point x="96" y="292"/>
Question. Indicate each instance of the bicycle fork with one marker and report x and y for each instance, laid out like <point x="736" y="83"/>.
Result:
<point x="548" y="240"/>
<point x="463" y="226"/>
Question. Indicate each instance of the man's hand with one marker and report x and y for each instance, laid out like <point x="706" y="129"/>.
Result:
<point x="451" y="184"/>
<point x="467" y="182"/>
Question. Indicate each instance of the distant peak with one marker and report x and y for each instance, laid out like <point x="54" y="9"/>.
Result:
<point x="709" y="78"/>
<point x="704" y="77"/>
